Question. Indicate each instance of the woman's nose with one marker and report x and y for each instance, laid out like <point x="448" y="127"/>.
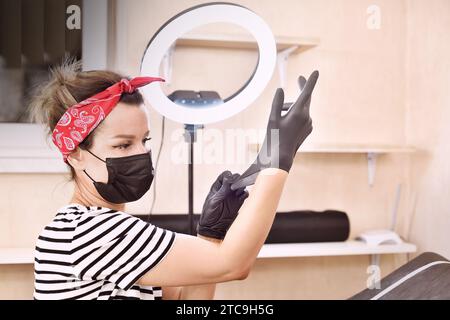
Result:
<point x="142" y="149"/>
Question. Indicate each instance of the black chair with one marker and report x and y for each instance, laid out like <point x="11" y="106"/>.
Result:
<point x="427" y="277"/>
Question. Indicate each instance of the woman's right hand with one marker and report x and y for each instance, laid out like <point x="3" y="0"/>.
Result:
<point x="221" y="206"/>
<point x="284" y="134"/>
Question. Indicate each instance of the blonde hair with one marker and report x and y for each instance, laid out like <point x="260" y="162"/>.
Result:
<point x="67" y="86"/>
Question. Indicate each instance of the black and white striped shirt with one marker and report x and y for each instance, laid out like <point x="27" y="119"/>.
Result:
<point x="97" y="253"/>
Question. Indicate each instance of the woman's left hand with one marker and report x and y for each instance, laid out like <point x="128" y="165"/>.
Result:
<point x="221" y="206"/>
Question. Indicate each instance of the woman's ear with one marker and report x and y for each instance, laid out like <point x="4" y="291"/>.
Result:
<point x="76" y="159"/>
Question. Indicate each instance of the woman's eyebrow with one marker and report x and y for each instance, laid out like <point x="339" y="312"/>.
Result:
<point x="125" y="136"/>
<point x="129" y="136"/>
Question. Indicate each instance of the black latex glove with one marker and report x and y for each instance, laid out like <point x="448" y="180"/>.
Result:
<point x="293" y="128"/>
<point x="221" y="206"/>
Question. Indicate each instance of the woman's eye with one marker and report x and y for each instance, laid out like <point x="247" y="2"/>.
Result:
<point x="146" y="143"/>
<point x="126" y="145"/>
<point x="122" y="146"/>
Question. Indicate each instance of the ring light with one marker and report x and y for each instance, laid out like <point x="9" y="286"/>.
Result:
<point x="188" y="20"/>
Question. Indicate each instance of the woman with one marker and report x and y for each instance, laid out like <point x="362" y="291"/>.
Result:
<point x="94" y="250"/>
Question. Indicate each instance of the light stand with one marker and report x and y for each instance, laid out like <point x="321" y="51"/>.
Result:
<point x="190" y="136"/>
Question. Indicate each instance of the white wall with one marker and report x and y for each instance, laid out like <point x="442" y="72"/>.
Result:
<point x="428" y="103"/>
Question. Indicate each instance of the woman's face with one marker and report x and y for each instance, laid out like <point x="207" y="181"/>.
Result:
<point x="124" y="132"/>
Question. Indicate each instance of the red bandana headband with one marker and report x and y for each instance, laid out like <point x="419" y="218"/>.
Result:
<point x="79" y="120"/>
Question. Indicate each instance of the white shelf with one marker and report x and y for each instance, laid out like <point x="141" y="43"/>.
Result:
<point x="27" y="149"/>
<point x="319" y="249"/>
<point x="349" y="148"/>
<point x="286" y="46"/>
<point x="16" y="256"/>
<point x="237" y="41"/>
<point x="276" y="250"/>
<point x="378" y="149"/>
<point x="371" y="151"/>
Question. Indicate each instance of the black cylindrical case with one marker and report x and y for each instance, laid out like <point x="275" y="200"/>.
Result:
<point x="309" y="226"/>
<point x="288" y="227"/>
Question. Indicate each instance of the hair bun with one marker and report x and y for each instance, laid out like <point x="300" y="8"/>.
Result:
<point x="67" y="72"/>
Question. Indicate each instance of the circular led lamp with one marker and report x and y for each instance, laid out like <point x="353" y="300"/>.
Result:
<point x="195" y="17"/>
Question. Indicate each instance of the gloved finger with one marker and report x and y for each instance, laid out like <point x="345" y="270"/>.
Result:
<point x="243" y="196"/>
<point x="226" y="173"/>
<point x="225" y="189"/>
<point x="307" y="104"/>
<point x="311" y="82"/>
<point x="277" y="105"/>
<point x="307" y="89"/>
<point x="239" y="192"/>
<point x="301" y="82"/>
<point x="219" y="180"/>
<point x="305" y="95"/>
<point x="246" y="180"/>
<point x="234" y="177"/>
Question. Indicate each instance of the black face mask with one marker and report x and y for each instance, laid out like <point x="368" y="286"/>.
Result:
<point x="129" y="178"/>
